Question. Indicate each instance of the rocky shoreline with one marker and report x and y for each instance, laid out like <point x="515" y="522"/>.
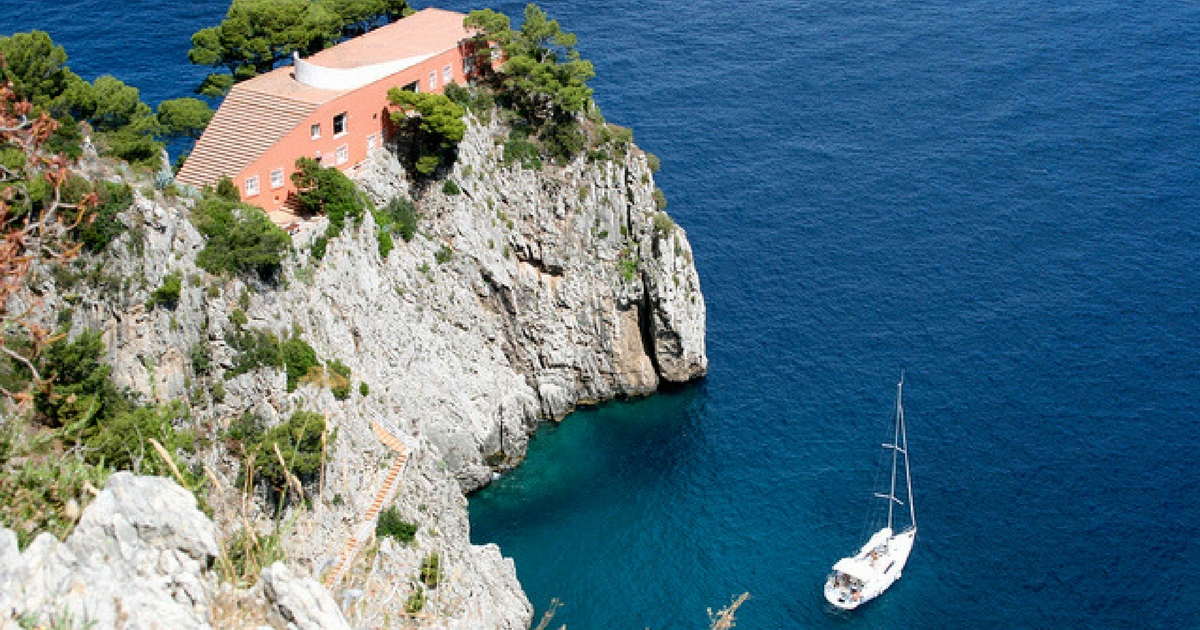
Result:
<point x="523" y="295"/>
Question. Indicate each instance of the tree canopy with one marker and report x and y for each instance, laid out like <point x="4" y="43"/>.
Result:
<point x="256" y="35"/>
<point x="543" y="73"/>
<point x="184" y="117"/>
<point x="436" y="124"/>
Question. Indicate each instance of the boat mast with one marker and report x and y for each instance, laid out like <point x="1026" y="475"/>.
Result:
<point x="895" y="446"/>
<point x="912" y="510"/>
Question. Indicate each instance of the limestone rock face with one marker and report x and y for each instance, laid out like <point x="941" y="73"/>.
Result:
<point x="138" y="558"/>
<point x="523" y="295"/>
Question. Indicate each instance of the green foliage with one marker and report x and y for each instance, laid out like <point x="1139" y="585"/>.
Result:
<point x="241" y="239"/>
<point x="112" y="199"/>
<point x="256" y="349"/>
<point x="318" y="247"/>
<point x="122" y="440"/>
<point x="391" y="525"/>
<point x="415" y="602"/>
<point x="34" y="65"/>
<point x="398" y="216"/>
<point x="246" y="553"/>
<point x="184" y="117"/>
<point x="81" y="389"/>
<point x="435" y="124"/>
<point x="326" y="190"/>
<point x="298" y="359"/>
<point x="257" y="35"/>
<point x="653" y="162"/>
<point x="37" y="483"/>
<point x="431" y="570"/>
<point x="198" y="355"/>
<point x="544" y="76"/>
<point x="299" y="441"/>
<point x="386" y="244"/>
<point x="444" y="254"/>
<point x="660" y="199"/>
<point x="167" y="294"/>
<point x="663" y="224"/>
<point x="562" y="139"/>
<point x="627" y="265"/>
<point x="338" y="376"/>
<point x="363" y="389"/>
<point x="451" y="188"/>
<point x="227" y="190"/>
<point x="519" y="149"/>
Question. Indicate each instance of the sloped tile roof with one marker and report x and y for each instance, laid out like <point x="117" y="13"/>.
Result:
<point x="259" y="112"/>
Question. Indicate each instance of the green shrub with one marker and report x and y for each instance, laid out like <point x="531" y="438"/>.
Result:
<point x="451" y="188"/>
<point x="299" y="441"/>
<point x="391" y="525"/>
<point x="660" y="199"/>
<point x="563" y="139"/>
<point x="198" y="354"/>
<point x="415" y="602"/>
<point x="399" y="215"/>
<point x="386" y="244"/>
<point x="227" y="190"/>
<point x="167" y="294"/>
<point x="81" y="391"/>
<point x="34" y="495"/>
<point x="444" y="254"/>
<point x="653" y="162"/>
<point x="663" y="224"/>
<point x="338" y="375"/>
<point x="256" y="349"/>
<point x="363" y="389"/>
<point x="111" y="199"/>
<point x="519" y="149"/>
<point x="298" y="359"/>
<point x="318" y="247"/>
<point x="241" y="239"/>
<point x="123" y="439"/>
<point x="431" y="570"/>
<point x="326" y="190"/>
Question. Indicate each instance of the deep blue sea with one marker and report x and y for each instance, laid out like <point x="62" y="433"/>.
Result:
<point x="1001" y="198"/>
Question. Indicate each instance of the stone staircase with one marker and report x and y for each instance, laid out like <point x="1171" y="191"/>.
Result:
<point x="366" y="528"/>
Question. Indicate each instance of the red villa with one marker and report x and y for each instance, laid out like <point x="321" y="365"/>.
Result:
<point x="332" y="106"/>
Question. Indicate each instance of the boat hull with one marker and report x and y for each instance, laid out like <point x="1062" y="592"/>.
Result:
<point x="864" y="576"/>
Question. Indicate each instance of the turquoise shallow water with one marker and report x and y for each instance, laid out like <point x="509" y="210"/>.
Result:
<point x="998" y="197"/>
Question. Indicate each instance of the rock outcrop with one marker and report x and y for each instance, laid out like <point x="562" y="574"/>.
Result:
<point x="525" y="294"/>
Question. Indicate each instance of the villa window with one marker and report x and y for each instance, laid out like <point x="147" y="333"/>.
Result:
<point x="372" y="140"/>
<point x="343" y="154"/>
<point x="339" y="124"/>
<point x="447" y="75"/>
<point x="277" y="178"/>
<point x="252" y="185"/>
<point x="468" y="66"/>
<point x="316" y="131"/>
<point x="433" y="80"/>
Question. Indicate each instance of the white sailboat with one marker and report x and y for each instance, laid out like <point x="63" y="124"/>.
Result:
<point x="858" y="579"/>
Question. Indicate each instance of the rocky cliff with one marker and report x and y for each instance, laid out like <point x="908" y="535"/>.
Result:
<point x="523" y="295"/>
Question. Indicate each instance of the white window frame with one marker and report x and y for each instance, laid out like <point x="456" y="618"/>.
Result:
<point x="252" y="186"/>
<point x="447" y="74"/>
<point x="343" y="154"/>
<point x="433" y="80"/>
<point x="277" y="179"/>
<point x="316" y="131"/>
<point x="345" y="124"/>
<point x="372" y="141"/>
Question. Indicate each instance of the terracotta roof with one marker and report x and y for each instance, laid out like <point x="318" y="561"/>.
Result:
<point x="244" y="127"/>
<point x="426" y="31"/>
<point x="259" y="112"/>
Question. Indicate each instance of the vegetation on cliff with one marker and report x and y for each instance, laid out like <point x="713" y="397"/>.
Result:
<point x="257" y="35"/>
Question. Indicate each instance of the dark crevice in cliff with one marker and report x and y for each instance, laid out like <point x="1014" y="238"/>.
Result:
<point x="646" y="324"/>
